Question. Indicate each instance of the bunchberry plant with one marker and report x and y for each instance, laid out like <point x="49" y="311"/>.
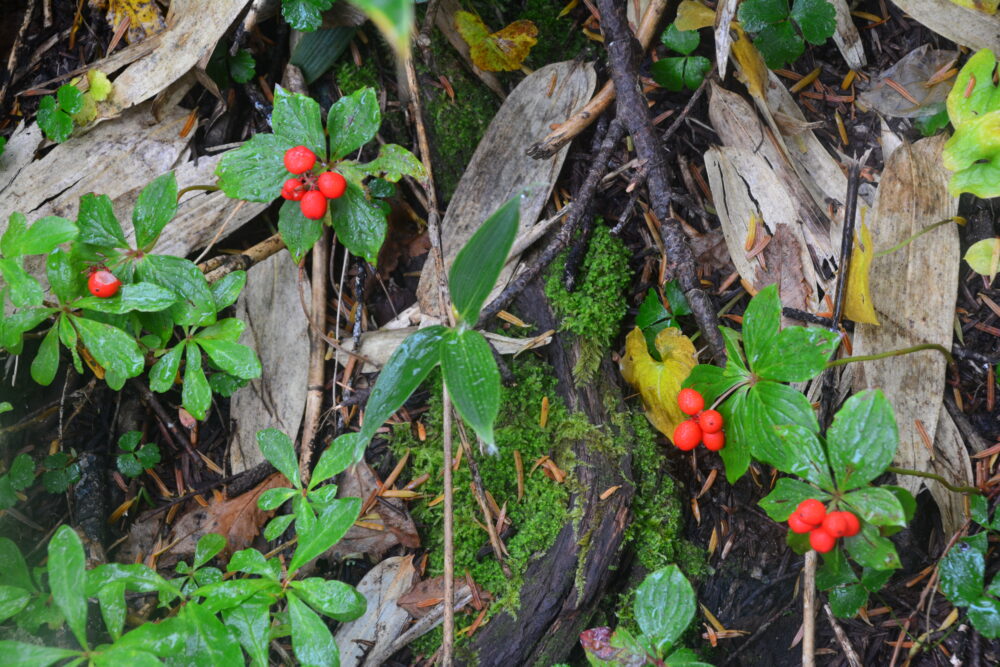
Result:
<point x="687" y="71"/>
<point x="664" y="607"/>
<point x="653" y="317"/>
<point x="779" y="31"/>
<point x="963" y="572"/>
<point x="260" y="169"/>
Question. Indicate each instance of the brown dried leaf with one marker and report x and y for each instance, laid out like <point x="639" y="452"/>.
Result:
<point x="424" y="595"/>
<point x="359" y="482"/>
<point x="783" y="257"/>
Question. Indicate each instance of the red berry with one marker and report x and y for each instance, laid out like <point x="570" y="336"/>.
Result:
<point x="796" y="523"/>
<point x="713" y="441"/>
<point x="293" y="189"/>
<point x="690" y="402"/>
<point x="687" y="435"/>
<point x="313" y="205"/>
<point x="821" y="541"/>
<point x="811" y="511"/>
<point x="103" y="284"/>
<point x="299" y="160"/>
<point x="853" y="526"/>
<point x="331" y="184"/>
<point x="834" y="524"/>
<point x="711" y="421"/>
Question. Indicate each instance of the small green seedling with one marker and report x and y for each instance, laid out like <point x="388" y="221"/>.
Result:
<point x="18" y="477"/>
<point x="136" y="458"/>
<point x="654" y="316"/>
<point x="779" y="32"/>
<point x="687" y="71"/>
<point x="963" y="572"/>
<point x="973" y="152"/>
<point x="57" y="114"/>
<point x="61" y="472"/>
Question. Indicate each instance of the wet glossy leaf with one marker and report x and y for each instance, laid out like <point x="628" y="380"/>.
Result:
<point x="817" y="19"/>
<point x="251" y="623"/>
<point x="164" y="372"/>
<point x="804" y="455"/>
<point x="393" y="162"/>
<point x="207" y="548"/>
<point x="236" y="359"/>
<point x="298" y="232"/>
<point x="112" y="348"/>
<point x="769" y="405"/>
<point x="681" y="41"/>
<point x="195" y="304"/>
<point x="280" y="451"/>
<point x="353" y="121"/>
<point x="475" y="270"/>
<point x="66" y="276"/>
<point x="862" y="440"/>
<point x="24" y="289"/>
<point x="779" y="44"/>
<point x="336" y="599"/>
<point x="196" y="395"/>
<point x="297" y="120"/>
<point x="142" y="297"/>
<point x="755" y="15"/>
<point x="877" y="506"/>
<point x="962" y="571"/>
<point x="256" y="170"/>
<point x="796" y="354"/>
<point x="227" y="289"/>
<point x="55" y="123"/>
<point x="12" y="600"/>
<point x="501" y="51"/>
<point x="66" y="579"/>
<point x="155" y="207"/>
<point x="42" y="237"/>
<point x="869" y="549"/>
<point x="20" y="654"/>
<point x="786" y="496"/>
<point x="331" y="525"/>
<point x="664" y="606"/>
<point x="359" y="222"/>
<point x="304" y="15"/>
<point x="312" y="641"/>
<point x="332" y="461"/>
<point x="974" y="94"/>
<point x="473" y="381"/>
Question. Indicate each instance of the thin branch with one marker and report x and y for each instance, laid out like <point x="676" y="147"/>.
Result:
<point x="317" y="354"/>
<point x="809" y="610"/>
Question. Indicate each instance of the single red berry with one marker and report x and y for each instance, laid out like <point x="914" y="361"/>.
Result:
<point x="687" y="435"/>
<point x="798" y="525"/>
<point x="332" y="184"/>
<point x="690" y="402"/>
<point x="711" y="421"/>
<point x="103" y="284"/>
<point x="821" y="541"/>
<point x="299" y="160"/>
<point x="853" y="526"/>
<point x="835" y="524"/>
<point x="313" y="205"/>
<point x="713" y="441"/>
<point x="812" y="511"/>
<point x="293" y="189"/>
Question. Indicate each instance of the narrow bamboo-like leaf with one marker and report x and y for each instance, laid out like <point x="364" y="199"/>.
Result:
<point x="472" y="379"/>
<point x="478" y="264"/>
<point x="393" y="17"/>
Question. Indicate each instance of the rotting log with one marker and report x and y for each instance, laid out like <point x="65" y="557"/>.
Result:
<point x="562" y="588"/>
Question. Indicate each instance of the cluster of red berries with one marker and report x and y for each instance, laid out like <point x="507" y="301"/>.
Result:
<point x="704" y="425"/>
<point x="824" y="529"/>
<point x="310" y="190"/>
<point x="103" y="284"/>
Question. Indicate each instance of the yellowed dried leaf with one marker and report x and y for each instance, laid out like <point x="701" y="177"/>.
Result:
<point x="858" y="303"/>
<point x="659" y="382"/>
<point x="501" y="51"/>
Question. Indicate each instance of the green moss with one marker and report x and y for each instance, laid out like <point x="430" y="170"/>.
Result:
<point x="537" y="518"/>
<point x="595" y="308"/>
<point x="351" y="78"/>
<point x="558" y="39"/>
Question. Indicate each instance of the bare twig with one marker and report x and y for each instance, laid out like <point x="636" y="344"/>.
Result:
<point x="317" y="353"/>
<point x="809" y="610"/>
<point x="480" y="493"/>
<point x="634" y="114"/>
<point x="448" y="641"/>
<point x="845" y="643"/>
<point x="222" y="265"/>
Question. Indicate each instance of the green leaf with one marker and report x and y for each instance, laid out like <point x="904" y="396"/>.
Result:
<point x="298" y="232"/>
<point x="737" y="453"/>
<point x="164" y="372"/>
<point x="12" y="600"/>
<point x="13" y="326"/>
<point x="277" y="526"/>
<point x="333" y="461"/>
<point x="862" y="440"/>
<point x="55" y="123"/>
<point x="242" y="66"/>
<point x="67" y="572"/>
<point x="196" y="304"/>
<point x="317" y="52"/>
<point x="233" y="358"/>
<point x="681" y="41"/>
<point x="24" y="289"/>
<point x="142" y="297"/>
<point x="65" y="275"/>
<point x="779" y="44"/>
<point x="393" y="17"/>
<point x="46" y="361"/>
<point x="760" y="323"/>
<point x="149" y="455"/>
<point x="798" y="354"/>
<point x="877" y="506"/>
<point x="15" y="569"/>
<point x="251" y="623"/>
<point x="962" y="571"/>
<point x="669" y="73"/>
<point x="664" y="606"/>
<point x="816" y="18"/>
<point x="221" y="595"/>
<point x="312" y="642"/>
<point x="227" y="289"/>
<point x="112" y="348"/>
<point x="19" y="654"/>
<point x="786" y="496"/>
<point x="985" y="615"/>
<point x="129" y="465"/>
<point x="251" y="561"/>
<point x="331" y="525"/>
<point x="209" y="545"/>
<point x="845" y="601"/>
<point x="12" y="239"/>
<point x="130" y="440"/>
<point x="224" y="384"/>
<point x="155" y="207"/>
<point x="353" y="121"/>
<point x="21" y="474"/>
<point x="196" y="395"/>
<point x="769" y="405"/>
<point x="336" y="599"/>
<point x="478" y="264"/>
<point x="836" y="571"/>
<point x="695" y="68"/>
<point x="473" y="381"/>
<point x="207" y="643"/>
<point x="256" y="170"/>
<point x="298" y="122"/>
<point x="70" y="98"/>
<point x="755" y="15"/>
<point x="228" y="329"/>
<point x="408" y="366"/>
<point x="393" y="162"/>
<point x="360" y="223"/>
<point x="869" y="549"/>
<point x="279" y="450"/>
<point x="44" y="236"/>
<point x="272" y="499"/>
<point x="804" y="455"/>
<point x="304" y="15"/>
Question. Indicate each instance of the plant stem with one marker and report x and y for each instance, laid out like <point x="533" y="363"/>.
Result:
<point x="809" y="610"/>
<point x="447" y="643"/>
<point x="905" y="242"/>
<point x="969" y="490"/>
<point x="192" y="188"/>
<point x="893" y="353"/>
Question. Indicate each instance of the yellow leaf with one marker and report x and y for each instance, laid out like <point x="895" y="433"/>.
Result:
<point x="659" y="382"/>
<point x="985" y="6"/>
<point x="858" y="303"/>
<point x="752" y="70"/>
<point x="501" y="51"/>
<point x="693" y="16"/>
<point x="100" y="86"/>
<point x="144" y="17"/>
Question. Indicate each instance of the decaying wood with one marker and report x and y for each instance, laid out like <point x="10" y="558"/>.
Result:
<point x="914" y="292"/>
<point x="499" y="169"/>
<point x="847" y="37"/>
<point x="277" y="329"/>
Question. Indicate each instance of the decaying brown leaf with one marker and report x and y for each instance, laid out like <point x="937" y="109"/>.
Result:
<point x="424" y="595"/>
<point x="783" y="267"/>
